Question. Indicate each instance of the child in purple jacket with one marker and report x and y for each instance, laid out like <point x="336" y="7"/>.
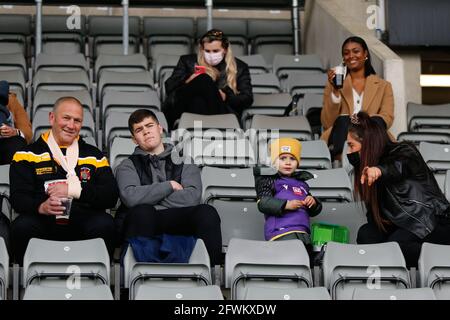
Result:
<point x="284" y="197"/>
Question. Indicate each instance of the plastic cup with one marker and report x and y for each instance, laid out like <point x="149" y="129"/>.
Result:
<point x="338" y="80"/>
<point x="66" y="202"/>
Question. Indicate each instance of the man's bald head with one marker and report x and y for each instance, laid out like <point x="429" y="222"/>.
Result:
<point x="63" y="100"/>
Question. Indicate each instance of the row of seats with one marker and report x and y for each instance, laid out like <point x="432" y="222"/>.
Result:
<point x="253" y="270"/>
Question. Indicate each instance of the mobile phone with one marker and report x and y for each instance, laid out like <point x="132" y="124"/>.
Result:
<point x="200" y="69"/>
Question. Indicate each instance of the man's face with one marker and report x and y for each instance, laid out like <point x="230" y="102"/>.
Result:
<point x="66" y="122"/>
<point x="147" y="134"/>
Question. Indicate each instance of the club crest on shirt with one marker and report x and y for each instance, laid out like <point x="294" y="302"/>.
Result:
<point x="285" y="186"/>
<point x="85" y="174"/>
<point x="297" y="191"/>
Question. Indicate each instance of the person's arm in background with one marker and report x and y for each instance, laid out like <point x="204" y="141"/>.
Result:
<point x="179" y="75"/>
<point x="387" y="106"/>
<point x="191" y="193"/>
<point x="244" y="98"/>
<point x="21" y="120"/>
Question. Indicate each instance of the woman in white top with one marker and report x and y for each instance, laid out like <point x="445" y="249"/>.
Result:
<point x="362" y="90"/>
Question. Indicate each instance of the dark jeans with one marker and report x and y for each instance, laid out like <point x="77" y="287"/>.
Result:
<point x="9" y="146"/>
<point x="81" y="227"/>
<point x="409" y="243"/>
<point x="199" y="96"/>
<point x="338" y="135"/>
<point x="200" y="221"/>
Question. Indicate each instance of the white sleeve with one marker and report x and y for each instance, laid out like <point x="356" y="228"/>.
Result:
<point x="335" y="99"/>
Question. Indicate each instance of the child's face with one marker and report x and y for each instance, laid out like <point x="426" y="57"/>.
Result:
<point x="286" y="164"/>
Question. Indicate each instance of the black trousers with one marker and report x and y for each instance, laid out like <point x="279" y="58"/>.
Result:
<point x="409" y="243"/>
<point x="199" y="96"/>
<point x="81" y="227"/>
<point x="338" y="135"/>
<point x="9" y="146"/>
<point x="201" y="221"/>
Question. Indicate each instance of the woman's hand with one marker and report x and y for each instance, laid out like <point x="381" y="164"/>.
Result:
<point x="370" y="174"/>
<point x="192" y="77"/>
<point x="222" y="95"/>
<point x="7" y="131"/>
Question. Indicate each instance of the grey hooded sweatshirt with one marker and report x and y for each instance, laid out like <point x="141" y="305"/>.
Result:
<point x="160" y="192"/>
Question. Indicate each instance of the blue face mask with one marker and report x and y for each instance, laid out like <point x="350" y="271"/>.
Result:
<point x="354" y="159"/>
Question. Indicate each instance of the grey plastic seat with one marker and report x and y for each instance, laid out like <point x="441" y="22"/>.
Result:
<point x="301" y="83"/>
<point x="232" y="192"/>
<point x="234" y="29"/>
<point x="267" y="126"/>
<point x="418" y="137"/>
<point x="348" y="266"/>
<point x="264" y="265"/>
<point x="58" y="62"/>
<point x="4" y="270"/>
<point x="13" y="61"/>
<point x="106" y="32"/>
<point x="428" y="118"/>
<point x="134" y="81"/>
<point x="39" y="292"/>
<point x="332" y="185"/>
<point x="265" y="83"/>
<point x="316" y="293"/>
<point x="220" y="153"/>
<point x="123" y="101"/>
<point x="273" y="104"/>
<point x="395" y="294"/>
<point x="168" y="35"/>
<point x="121" y="148"/>
<point x="220" y="126"/>
<point x="66" y="264"/>
<point x="45" y="99"/>
<point x="163" y="68"/>
<point x="16" y="79"/>
<point x="210" y="292"/>
<point x="309" y="102"/>
<point x="349" y="214"/>
<point x="256" y="63"/>
<point x="434" y="269"/>
<point x="116" y="125"/>
<point x="4" y="191"/>
<point x="14" y="32"/>
<point x="61" y="80"/>
<point x="57" y="38"/>
<point x="120" y="63"/>
<point x="40" y="124"/>
<point x="437" y="157"/>
<point x="90" y="140"/>
<point x="447" y="185"/>
<point x="270" y="37"/>
<point x="158" y="276"/>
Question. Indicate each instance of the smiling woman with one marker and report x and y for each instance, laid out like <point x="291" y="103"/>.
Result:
<point x="362" y="90"/>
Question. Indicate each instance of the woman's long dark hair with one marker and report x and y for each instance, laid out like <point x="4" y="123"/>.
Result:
<point x="368" y="68"/>
<point x="374" y="139"/>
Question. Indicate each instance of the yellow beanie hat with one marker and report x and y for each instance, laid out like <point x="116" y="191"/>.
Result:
<point x="285" y="145"/>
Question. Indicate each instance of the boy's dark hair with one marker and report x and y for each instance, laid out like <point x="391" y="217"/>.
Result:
<point x="138" y="116"/>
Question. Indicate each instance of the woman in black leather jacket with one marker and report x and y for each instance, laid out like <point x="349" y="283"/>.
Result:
<point x="210" y="82"/>
<point x="404" y="201"/>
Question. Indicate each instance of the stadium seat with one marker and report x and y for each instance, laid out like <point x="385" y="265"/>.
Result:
<point x="331" y="185"/>
<point x="120" y="63"/>
<point x="14" y="32"/>
<point x="163" y="68"/>
<point x="5" y="205"/>
<point x="65" y="265"/>
<point x="210" y="292"/>
<point x="58" y="62"/>
<point x="256" y="63"/>
<point x="447" y="185"/>
<point x="17" y="82"/>
<point x="418" y="137"/>
<point x="4" y="270"/>
<point x="265" y="83"/>
<point x="286" y="65"/>
<point x="61" y="80"/>
<point x="434" y="269"/>
<point x="428" y="118"/>
<point x="349" y="266"/>
<point x="156" y="277"/>
<point x="38" y="292"/>
<point x="168" y="36"/>
<point x="270" y="37"/>
<point x="437" y="157"/>
<point x="45" y="99"/>
<point x="316" y="293"/>
<point x="394" y="294"/>
<point x="302" y="83"/>
<point x="13" y="61"/>
<point x="121" y="148"/>
<point x="266" y="265"/>
<point x="235" y="29"/>
<point x="308" y="102"/>
<point x="274" y="104"/>
<point x="57" y="38"/>
<point x="232" y="193"/>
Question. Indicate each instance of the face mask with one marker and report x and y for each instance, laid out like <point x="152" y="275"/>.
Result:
<point x="213" y="59"/>
<point x="354" y="159"/>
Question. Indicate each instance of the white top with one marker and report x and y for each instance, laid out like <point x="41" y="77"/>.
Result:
<point x="357" y="100"/>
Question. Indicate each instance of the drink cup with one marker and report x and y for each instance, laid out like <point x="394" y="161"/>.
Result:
<point x="338" y="80"/>
<point x="66" y="202"/>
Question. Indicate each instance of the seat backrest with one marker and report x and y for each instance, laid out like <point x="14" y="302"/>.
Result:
<point x="47" y="98"/>
<point x="190" y="293"/>
<point x="112" y="25"/>
<point x="347" y="266"/>
<point x="284" y="65"/>
<point x="97" y="292"/>
<point x="248" y="259"/>
<point x="434" y="268"/>
<point x="270" y="127"/>
<point x="394" y="294"/>
<point x="418" y="137"/>
<point x="118" y="63"/>
<point x="256" y="63"/>
<point x="302" y="83"/>
<point x="422" y="115"/>
<point x="437" y="156"/>
<point x="134" y="81"/>
<point x="331" y="185"/>
<point x="15" y="24"/>
<point x="265" y="83"/>
<point x="54" y="23"/>
<point x="56" y="62"/>
<point x="61" y="80"/>
<point x="261" y="293"/>
<point x="169" y="26"/>
<point x="121" y="148"/>
<point x="44" y="258"/>
<point x="4" y="269"/>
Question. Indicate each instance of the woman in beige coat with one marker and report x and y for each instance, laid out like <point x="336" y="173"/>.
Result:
<point x="362" y="90"/>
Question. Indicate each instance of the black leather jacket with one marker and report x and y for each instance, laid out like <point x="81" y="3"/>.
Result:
<point x="237" y="102"/>
<point x="409" y="194"/>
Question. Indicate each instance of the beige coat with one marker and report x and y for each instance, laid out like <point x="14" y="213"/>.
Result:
<point x="378" y="100"/>
<point x="21" y="119"/>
